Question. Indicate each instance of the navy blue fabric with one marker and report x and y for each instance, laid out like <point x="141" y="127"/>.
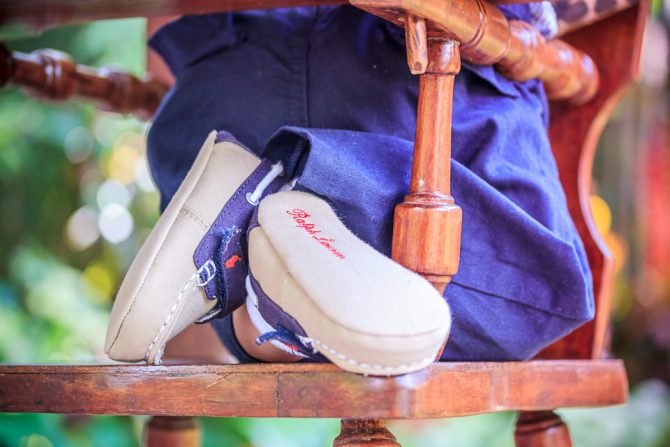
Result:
<point x="327" y="91"/>
<point x="224" y="327"/>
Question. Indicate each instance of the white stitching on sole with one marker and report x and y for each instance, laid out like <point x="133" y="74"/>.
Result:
<point x="420" y="364"/>
<point x="252" y="300"/>
<point x="193" y="280"/>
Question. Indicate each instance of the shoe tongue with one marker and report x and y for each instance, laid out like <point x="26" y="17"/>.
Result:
<point x="225" y="243"/>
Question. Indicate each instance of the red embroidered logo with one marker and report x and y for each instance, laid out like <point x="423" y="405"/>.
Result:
<point x="230" y="263"/>
<point x="300" y="218"/>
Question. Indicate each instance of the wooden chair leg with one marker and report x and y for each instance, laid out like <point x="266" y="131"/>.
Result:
<point x="427" y="225"/>
<point x="541" y="429"/>
<point x="162" y="431"/>
<point x="364" y="433"/>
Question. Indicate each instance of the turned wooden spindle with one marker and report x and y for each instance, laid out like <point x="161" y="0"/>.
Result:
<point x="172" y="431"/>
<point x="567" y="73"/>
<point x="541" y="429"/>
<point x="521" y="63"/>
<point x="50" y="74"/>
<point x="487" y="37"/>
<point x="364" y="433"/>
<point x="427" y="225"/>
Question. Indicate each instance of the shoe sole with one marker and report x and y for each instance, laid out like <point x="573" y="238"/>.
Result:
<point x="335" y="285"/>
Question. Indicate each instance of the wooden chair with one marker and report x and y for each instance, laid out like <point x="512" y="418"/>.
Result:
<point x="571" y="373"/>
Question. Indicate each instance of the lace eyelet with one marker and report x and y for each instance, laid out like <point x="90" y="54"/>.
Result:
<point x="249" y="199"/>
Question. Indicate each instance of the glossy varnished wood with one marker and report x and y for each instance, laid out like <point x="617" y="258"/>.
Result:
<point x="416" y="39"/>
<point x="302" y="390"/>
<point x="427" y="224"/>
<point x="364" y="433"/>
<point x="172" y="431"/>
<point x="478" y="25"/>
<point x="541" y="429"/>
<point x="486" y="37"/>
<point x="52" y="75"/>
<point x="484" y="34"/>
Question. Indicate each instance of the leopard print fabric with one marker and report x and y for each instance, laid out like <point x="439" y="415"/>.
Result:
<point x="576" y="13"/>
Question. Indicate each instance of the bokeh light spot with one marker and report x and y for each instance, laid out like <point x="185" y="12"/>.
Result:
<point x="81" y="229"/>
<point x="78" y="144"/>
<point x="619" y="248"/>
<point x="115" y="223"/>
<point x="601" y="214"/>
<point x="112" y="191"/>
<point x="143" y="177"/>
<point x="121" y="165"/>
<point x="36" y="440"/>
<point x="101" y="280"/>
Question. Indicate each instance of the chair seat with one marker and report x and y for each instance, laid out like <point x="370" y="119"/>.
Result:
<point x="310" y="390"/>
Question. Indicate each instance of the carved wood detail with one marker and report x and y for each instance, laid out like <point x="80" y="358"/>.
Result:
<point x="541" y="429"/>
<point x="364" y="433"/>
<point x="427" y="225"/>
<point x="172" y="431"/>
<point x="486" y="37"/>
<point x="417" y="45"/>
<point x="52" y="75"/>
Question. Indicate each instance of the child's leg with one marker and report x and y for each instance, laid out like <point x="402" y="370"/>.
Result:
<point x="246" y="334"/>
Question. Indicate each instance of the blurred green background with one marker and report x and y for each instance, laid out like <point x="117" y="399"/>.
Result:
<point x="76" y="201"/>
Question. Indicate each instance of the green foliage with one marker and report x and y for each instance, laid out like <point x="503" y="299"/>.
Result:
<point x="52" y="430"/>
<point x="55" y="295"/>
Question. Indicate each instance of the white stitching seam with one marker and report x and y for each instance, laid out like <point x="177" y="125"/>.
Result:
<point x="193" y="280"/>
<point x="252" y="300"/>
<point x="188" y="284"/>
<point x="420" y="363"/>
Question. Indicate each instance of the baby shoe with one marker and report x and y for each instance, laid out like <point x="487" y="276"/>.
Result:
<point x="315" y="289"/>
<point x="191" y="266"/>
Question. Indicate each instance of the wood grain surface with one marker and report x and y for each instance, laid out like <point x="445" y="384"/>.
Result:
<point x="310" y="390"/>
<point x="427" y="224"/>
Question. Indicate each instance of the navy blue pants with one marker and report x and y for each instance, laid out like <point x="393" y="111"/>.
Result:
<point x="327" y="90"/>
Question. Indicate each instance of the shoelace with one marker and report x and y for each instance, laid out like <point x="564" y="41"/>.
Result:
<point x="253" y="198"/>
